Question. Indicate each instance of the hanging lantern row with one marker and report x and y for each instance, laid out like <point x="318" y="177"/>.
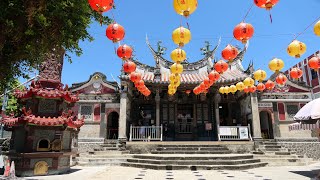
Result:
<point x="175" y="76"/>
<point x="135" y="77"/>
<point x="213" y="77"/>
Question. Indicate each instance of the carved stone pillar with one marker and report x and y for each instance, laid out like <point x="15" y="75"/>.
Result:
<point x="157" y="98"/>
<point x="255" y="117"/>
<point x="103" y="122"/>
<point x="276" y="128"/>
<point x="217" y="98"/>
<point x="123" y="120"/>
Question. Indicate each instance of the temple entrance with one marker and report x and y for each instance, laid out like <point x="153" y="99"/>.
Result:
<point x="112" y="125"/>
<point x="266" y="125"/>
<point x="184" y="122"/>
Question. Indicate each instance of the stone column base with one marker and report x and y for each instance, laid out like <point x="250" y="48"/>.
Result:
<point x="122" y="143"/>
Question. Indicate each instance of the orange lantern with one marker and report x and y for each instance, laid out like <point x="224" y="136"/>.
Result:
<point x="101" y="5"/>
<point x="269" y="85"/>
<point x="229" y="53"/>
<point x="267" y="4"/>
<point x="135" y="77"/>
<point x="314" y="63"/>
<point x="221" y="66"/>
<point x="296" y="73"/>
<point x="281" y="79"/>
<point x="252" y="89"/>
<point x="115" y="32"/>
<point x="206" y="81"/>
<point x="261" y="87"/>
<point x="243" y="32"/>
<point x="246" y="89"/>
<point x="214" y="76"/>
<point x="124" y="52"/>
<point x="202" y="86"/>
<point x="129" y="67"/>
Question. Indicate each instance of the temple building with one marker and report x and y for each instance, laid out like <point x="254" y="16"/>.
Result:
<point x="119" y="111"/>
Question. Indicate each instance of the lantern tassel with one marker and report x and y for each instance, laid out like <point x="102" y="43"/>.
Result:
<point x="270" y="16"/>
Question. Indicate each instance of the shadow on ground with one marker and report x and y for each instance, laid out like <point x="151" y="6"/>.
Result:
<point x="311" y="174"/>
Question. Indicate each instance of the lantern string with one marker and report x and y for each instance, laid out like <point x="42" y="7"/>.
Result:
<point x="247" y="13"/>
<point x="307" y="28"/>
<point x="270" y="16"/>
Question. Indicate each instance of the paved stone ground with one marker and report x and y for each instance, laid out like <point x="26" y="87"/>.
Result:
<point x="127" y="173"/>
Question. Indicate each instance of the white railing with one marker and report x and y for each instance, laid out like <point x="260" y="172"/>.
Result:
<point x="146" y="133"/>
<point x="235" y="133"/>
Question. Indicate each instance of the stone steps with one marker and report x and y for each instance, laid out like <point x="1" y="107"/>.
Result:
<point x="194" y="157"/>
<point x="107" y="152"/>
<point x="287" y="161"/>
<point x="192" y="152"/>
<point x="191" y="148"/>
<point x="189" y="145"/>
<point x="194" y="167"/>
<point x="194" y="162"/>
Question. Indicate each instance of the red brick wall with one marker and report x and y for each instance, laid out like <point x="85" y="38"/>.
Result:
<point x="282" y="115"/>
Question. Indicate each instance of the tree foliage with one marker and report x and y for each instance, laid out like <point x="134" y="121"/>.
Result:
<point x="31" y="28"/>
<point x="12" y="106"/>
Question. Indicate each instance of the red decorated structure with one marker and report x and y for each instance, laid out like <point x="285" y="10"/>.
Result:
<point x="44" y="136"/>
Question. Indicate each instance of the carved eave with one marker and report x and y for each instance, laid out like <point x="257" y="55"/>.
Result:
<point x="95" y="77"/>
<point x="164" y="63"/>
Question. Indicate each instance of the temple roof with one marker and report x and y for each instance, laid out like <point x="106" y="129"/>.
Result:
<point x="36" y="89"/>
<point x="95" y="77"/>
<point x="195" y="72"/>
<point x="66" y="118"/>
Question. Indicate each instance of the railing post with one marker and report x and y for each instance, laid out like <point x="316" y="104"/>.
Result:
<point x="219" y="139"/>
<point x="130" y="138"/>
<point x="161" y="129"/>
<point x="249" y="132"/>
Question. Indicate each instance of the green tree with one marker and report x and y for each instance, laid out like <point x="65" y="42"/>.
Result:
<point x="31" y="28"/>
<point x="12" y="105"/>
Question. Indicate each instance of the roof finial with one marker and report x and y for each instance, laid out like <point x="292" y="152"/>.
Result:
<point x="160" y="49"/>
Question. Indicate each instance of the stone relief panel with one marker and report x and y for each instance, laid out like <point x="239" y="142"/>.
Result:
<point x="66" y="140"/>
<point x="64" y="161"/>
<point x="34" y="161"/>
<point x="47" y="106"/>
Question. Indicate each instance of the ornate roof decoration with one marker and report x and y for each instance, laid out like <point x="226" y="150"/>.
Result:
<point x="97" y="76"/>
<point x="50" y="70"/>
<point x="67" y="118"/>
<point x="36" y="89"/>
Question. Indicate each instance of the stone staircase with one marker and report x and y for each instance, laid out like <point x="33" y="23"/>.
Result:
<point x="271" y="152"/>
<point x="106" y="154"/>
<point x="193" y="157"/>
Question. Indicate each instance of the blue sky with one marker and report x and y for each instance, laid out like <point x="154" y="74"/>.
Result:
<point x="211" y="20"/>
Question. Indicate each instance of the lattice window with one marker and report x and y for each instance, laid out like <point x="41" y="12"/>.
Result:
<point x="47" y="106"/>
<point x="86" y="111"/>
<point x="292" y="110"/>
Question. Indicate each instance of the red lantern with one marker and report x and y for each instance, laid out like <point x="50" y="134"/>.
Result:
<point x="281" y="79"/>
<point x="261" y="87"/>
<point x="296" y="73"/>
<point x="135" y="77"/>
<point x="188" y="92"/>
<point x="267" y="4"/>
<point x="269" y="85"/>
<point x="139" y="83"/>
<point x="221" y="66"/>
<point x="214" y="76"/>
<point x="314" y="63"/>
<point x="115" y="32"/>
<point x="129" y="67"/>
<point x="229" y="53"/>
<point x="252" y="89"/>
<point x="246" y="89"/>
<point x="243" y="32"/>
<point x="101" y="5"/>
<point x="124" y="52"/>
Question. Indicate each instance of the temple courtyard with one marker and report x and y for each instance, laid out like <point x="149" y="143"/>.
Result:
<point x="127" y="173"/>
